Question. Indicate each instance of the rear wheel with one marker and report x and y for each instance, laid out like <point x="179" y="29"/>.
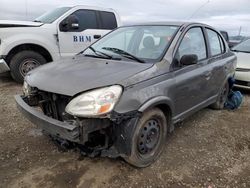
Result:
<point x="148" y="138"/>
<point x="222" y="98"/>
<point x="23" y="62"/>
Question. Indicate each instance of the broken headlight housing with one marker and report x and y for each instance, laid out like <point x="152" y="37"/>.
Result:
<point x="95" y="103"/>
<point x="26" y="88"/>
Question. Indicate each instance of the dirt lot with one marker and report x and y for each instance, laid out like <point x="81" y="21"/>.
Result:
<point x="210" y="149"/>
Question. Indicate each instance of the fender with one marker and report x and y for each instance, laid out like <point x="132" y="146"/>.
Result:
<point x="48" y="43"/>
<point x="157" y="101"/>
<point x="123" y="141"/>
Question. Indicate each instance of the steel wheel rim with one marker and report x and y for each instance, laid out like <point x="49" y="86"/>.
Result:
<point x="149" y="137"/>
<point x="27" y="65"/>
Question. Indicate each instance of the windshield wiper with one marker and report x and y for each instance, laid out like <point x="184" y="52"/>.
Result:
<point x="37" y="21"/>
<point x="97" y="53"/>
<point x="123" y="53"/>
<point x="241" y="51"/>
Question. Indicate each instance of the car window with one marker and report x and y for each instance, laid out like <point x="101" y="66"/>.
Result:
<point x="108" y="20"/>
<point x="148" y="43"/>
<point x="121" y="40"/>
<point x="145" y="35"/>
<point x="214" y="41"/>
<point x="222" y="45"/>
<point x="243" y="46"/>
<point x="193" y="42"/>
<point x="87" y="20"/>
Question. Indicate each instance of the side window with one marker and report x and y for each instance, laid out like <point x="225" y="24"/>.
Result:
<point x="215" y="42"/>
<point x="87" y="19"/>
<point x="108" y="20"/>
<point x="193" y="42"/>
<point x="222" y="45"/>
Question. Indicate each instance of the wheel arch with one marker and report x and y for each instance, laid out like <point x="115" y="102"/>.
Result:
<point x="29" y="46"/>
<point x="164" y="104"/>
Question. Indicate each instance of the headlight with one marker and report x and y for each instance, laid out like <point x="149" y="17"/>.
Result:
<point x="26" y="88"/>
<point x="94" y="103"/>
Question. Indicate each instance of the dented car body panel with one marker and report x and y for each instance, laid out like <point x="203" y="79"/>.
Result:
<point x="179" y="91"/>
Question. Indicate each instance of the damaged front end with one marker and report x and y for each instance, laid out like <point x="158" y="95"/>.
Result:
<point x="105" y="136"/>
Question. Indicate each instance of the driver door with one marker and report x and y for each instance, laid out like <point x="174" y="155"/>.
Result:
<point x="191" y="83"/>
<point x="78" y="35"/>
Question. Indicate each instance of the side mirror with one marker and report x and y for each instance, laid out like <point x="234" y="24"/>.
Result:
<point x="70" y="23"/>
<point x="189" y="59"/>
<point x="73" y="22"/>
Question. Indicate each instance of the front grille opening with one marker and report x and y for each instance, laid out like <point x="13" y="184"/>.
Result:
<point x="96" y="140"/>
<point x="53" y="105"/>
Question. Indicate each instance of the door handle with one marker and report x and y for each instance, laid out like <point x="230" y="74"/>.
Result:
<point x="97" y="36"/>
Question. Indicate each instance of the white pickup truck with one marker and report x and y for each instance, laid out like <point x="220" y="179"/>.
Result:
<point x="57" y="34"/>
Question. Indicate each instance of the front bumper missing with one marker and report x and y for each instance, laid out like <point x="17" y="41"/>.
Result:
<point x="54" y="127"/>
<point x="117" y="142"/>
<point x="3" y="66"/>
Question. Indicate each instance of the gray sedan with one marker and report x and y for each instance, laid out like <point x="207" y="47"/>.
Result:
<point x="124" y="94"/>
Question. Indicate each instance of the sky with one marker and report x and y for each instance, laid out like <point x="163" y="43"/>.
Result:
<point x="227" y="15"/>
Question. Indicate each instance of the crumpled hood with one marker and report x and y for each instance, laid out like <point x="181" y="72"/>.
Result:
<point x="72" y="76"/>
<point x="243" y="60"/>
<point x="14" y="23"/>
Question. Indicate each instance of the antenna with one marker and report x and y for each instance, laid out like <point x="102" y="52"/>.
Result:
<point x="240" y="31"/>
<point x="198" y="9"/>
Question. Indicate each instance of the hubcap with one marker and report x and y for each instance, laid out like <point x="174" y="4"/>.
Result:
<point x="27" y="65"/>
<point x="148" y="137"/>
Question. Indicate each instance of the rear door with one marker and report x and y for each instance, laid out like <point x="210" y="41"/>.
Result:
<point x="191" y="81"/>
<point x="91" y="27"/>
<point x="219" y="63"/>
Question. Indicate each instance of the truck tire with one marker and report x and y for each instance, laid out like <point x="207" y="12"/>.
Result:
<point x="148" y="139"/>
<point x="222" y="98"/>
<point x="24" y="61"/>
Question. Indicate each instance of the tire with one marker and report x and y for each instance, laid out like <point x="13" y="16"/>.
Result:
<point x="23" y="62"/>
<point x="144" y="153"/>
<point x="222" y="98"/>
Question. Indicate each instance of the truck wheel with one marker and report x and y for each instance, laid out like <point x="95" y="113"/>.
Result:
<point x="222" y="98"/>
<point x="23" y="62"/>
<point x="148" y="138"/>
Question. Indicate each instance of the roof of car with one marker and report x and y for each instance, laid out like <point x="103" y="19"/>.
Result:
<point x="173" y="23"/>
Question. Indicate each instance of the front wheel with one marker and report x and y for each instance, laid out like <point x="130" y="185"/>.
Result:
<point x="148" y="138"/>
<point x="23" y="62"/>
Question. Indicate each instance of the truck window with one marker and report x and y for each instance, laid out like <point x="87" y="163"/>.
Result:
<point x="108" y="20"/>
<point x="51" y="16"/>
<point x="225" y="35"/>
<point x="87" y="20"/>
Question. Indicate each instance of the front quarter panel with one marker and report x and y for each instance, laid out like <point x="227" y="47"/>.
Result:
<point x="135" y="96"/>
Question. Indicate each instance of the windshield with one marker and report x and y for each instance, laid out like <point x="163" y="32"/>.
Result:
<point x="138" y="43"/>
<point x="243" y="47"/>
<point x="51" y="16"/>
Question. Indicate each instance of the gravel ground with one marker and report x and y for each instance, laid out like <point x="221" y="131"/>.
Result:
<point x="209" y="149"/>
